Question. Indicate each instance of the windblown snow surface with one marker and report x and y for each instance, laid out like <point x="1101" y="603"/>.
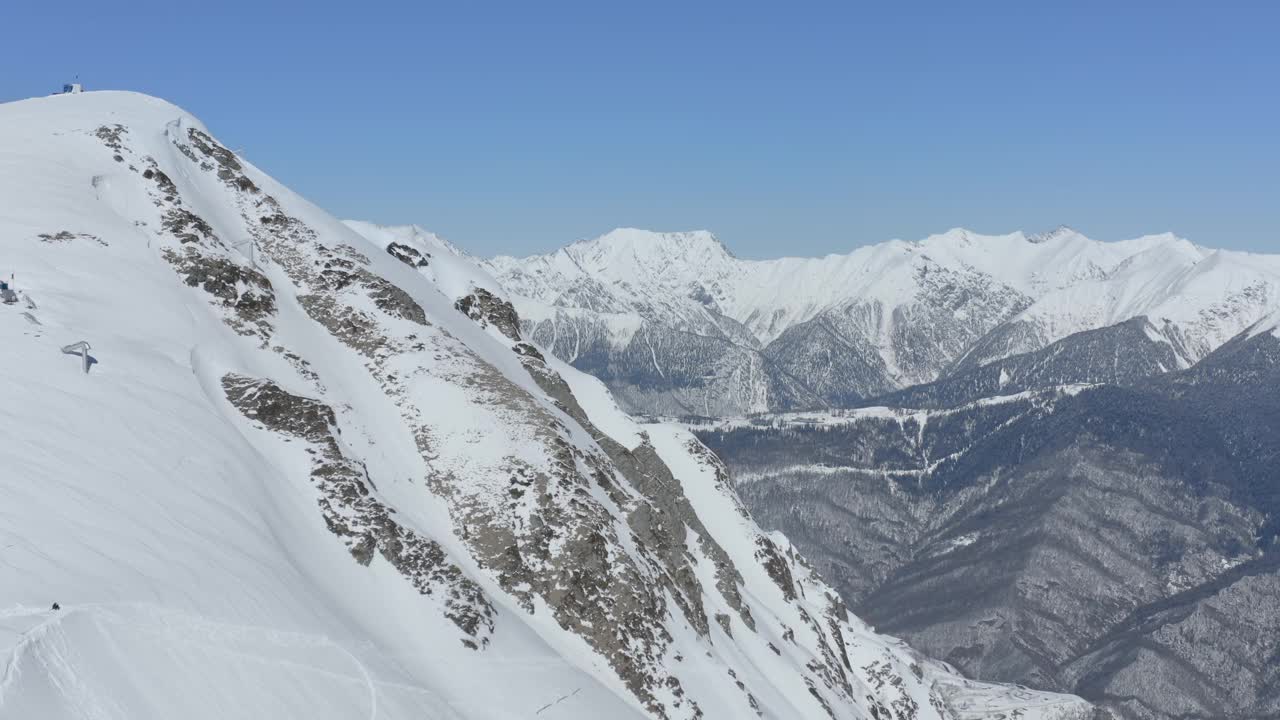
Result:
<point x="317" y="473"/>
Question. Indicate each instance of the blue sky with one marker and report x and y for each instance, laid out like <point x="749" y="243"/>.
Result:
<point x="786" y="128"/>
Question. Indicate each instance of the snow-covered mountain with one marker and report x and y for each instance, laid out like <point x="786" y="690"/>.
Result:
<point x="316" y="470"/>
<point x="674" y="323"/>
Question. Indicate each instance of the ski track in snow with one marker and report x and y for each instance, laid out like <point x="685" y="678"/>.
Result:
<point x="32" y="637"/>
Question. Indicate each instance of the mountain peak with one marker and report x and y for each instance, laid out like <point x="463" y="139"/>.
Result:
<point x="1057" y="233"/>
<point x="404" y="234"/>
<point x="640" y="236"/>
<point x="649" y="249"/>
<point x="959" y="235"/>
<point x="964" y="237"/>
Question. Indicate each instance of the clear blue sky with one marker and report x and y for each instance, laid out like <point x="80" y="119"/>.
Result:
<point x="786" y="128"/>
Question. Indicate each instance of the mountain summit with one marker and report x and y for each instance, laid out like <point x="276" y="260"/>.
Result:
<point x="689" y="246"/>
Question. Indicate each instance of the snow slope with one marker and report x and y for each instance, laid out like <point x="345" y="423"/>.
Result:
<point x="316" y="471"/>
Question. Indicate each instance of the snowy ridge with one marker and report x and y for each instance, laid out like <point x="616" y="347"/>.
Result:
<point x="1270" y="323"/>
<point x="316" y="470"/>
<point x="1206" y="297"/>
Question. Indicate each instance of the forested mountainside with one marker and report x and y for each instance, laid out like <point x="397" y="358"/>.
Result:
<point x="1115" y="537"/>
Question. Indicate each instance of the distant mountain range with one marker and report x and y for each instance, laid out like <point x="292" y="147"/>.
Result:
<point x="676" y="325"/>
